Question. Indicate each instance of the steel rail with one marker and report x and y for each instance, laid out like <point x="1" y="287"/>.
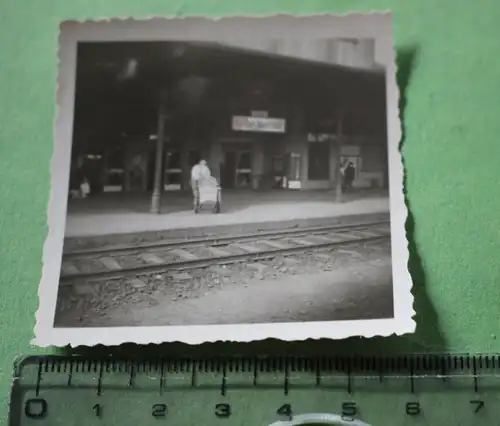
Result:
<point x="202" y="262"/>
<point x="219" y="240"/>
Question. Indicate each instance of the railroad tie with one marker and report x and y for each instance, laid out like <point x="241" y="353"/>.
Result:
<point x="246" y="247"/>
<point x="218" y="252"/>
<point x="324" y="256"/>
<point x="136" y="283"/>
<point x="368" y="234"/>
<point x="151" y="258"/>
<point x="330" y="239"/>
<point x="337" y="237"/>
<point x="183" y="254"/>
<point x="68" y="268"/>
<point x="352" y="253"/>
<point x="301" y="242"/>
<point x="110" y="263"/>
<point x="382" y="231"/>
<point x="360" y="234"/>
<point x="275" y="244"/>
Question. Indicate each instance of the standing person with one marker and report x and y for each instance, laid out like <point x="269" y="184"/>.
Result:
<point x="84" y="188"/>
<point x="342" y="172"/>
<point x="349" y="175"/>
<point x="79" y="183"/>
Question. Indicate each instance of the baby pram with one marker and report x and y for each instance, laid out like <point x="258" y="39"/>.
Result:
<point x="207" y="193"/>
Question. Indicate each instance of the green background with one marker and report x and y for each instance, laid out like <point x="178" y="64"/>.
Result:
<point x="450" y="76"/>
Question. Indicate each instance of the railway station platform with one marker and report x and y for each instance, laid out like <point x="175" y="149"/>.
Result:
<point x="124" y="214"/>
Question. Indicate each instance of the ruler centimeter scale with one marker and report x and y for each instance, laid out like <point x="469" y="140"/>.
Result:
<point x="388" y="391"/>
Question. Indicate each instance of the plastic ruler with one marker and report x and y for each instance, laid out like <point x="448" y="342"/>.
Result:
<point x="387" y="391"/>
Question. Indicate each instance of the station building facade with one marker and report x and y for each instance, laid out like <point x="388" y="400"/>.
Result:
<point x="282" y="158"/>
<point x="259" y="142"/>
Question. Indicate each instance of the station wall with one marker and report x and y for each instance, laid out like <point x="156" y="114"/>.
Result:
<point x="296" y="153"/>
<point x="369" y="161"/>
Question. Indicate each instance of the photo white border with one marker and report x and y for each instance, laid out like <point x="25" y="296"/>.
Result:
<point x="356" y="25"/>
<point x="326" y="419"/>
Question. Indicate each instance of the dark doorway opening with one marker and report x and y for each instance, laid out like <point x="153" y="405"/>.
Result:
<point x="319" y="161"/>
<point x="228" y="170"/>
<point x="93" y="171"/>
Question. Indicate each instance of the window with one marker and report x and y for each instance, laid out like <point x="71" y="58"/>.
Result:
<point x="244" y="170"/>
<point x="173" y="171"/>
<point x="115" y="171"/>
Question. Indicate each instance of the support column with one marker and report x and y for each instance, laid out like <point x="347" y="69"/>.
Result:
<point x="127" y="167"/>
<point x="332" y="163"/>
<point x="214" y="158"/>
<point x="299" y="141"/>
<point x="338" y="146"/>
<point x="304" y="162"/>
<point x="257" y="164"/>
<point x="185" y="168"/>
<point x="104" y="171"/>
<point x="160" y="148"/>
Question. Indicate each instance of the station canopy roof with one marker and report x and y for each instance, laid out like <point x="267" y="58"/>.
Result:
<point x="126" y="81"/>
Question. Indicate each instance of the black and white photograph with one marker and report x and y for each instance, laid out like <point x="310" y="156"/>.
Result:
<point x="233" y="179"/>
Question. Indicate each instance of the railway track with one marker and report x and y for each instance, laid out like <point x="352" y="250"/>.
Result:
<point x="157" y="257"/>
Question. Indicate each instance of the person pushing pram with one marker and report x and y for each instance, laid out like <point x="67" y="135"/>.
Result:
<point x="199" y="172"/>
<point x="205" y="187"/>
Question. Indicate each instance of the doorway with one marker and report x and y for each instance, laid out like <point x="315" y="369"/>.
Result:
<point x="319" y="161"/>
<point x="228" y="170"/>
<point x="243" y="172"/>
<point x="279" y="171"/>
<point x="137" y="170"/>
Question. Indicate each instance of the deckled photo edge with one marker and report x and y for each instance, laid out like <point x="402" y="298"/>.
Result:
<point x="399" y="208"/>
<point x="47" y="335"/>
<point x="56" y="211"/>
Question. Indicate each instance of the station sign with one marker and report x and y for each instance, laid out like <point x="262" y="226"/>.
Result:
<point x="321" y="137"/>
<point x="258" y="124"/>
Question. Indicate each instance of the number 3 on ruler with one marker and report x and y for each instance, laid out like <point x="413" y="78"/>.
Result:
<point x="159" y="411"/>
<point x="222" y="410"/>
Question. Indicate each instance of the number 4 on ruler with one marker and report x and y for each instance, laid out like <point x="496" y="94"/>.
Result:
<point x="285" y="410"/>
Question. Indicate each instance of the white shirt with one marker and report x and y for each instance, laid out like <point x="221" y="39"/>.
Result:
<point x="199" y="172"/>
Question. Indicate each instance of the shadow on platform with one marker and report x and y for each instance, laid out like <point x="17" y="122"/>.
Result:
<point x="232" y="200"/>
